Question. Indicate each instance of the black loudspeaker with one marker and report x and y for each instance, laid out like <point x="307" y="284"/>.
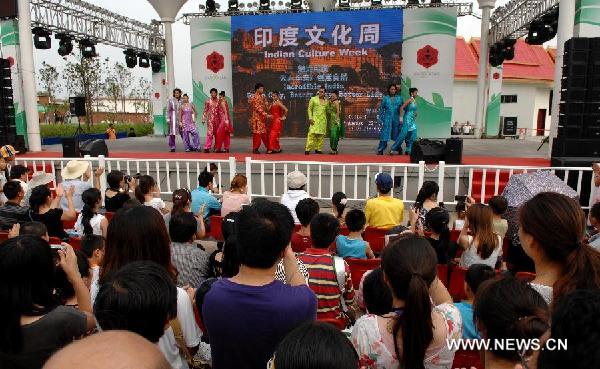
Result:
<point x="70" y="147"/>
<point x="575" y="147"/>
<point x="454" y="150"/>
<point x="93" y="148"/>
<point x="429" y="151"/>
<point x="77" y="106"/>
<point x="573" y="180"/>
<point x="8" y="9"/>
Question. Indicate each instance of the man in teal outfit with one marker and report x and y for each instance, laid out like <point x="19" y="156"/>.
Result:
<point x="408" y="131"/>
<point x="389" y="116"/>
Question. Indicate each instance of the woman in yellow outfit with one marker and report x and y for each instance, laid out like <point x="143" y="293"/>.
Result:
<point x="317" y="117"/>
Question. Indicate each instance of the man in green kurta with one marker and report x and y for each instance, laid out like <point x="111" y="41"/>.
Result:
<point x="317" y="117"/>
<point x="336" y="122"/>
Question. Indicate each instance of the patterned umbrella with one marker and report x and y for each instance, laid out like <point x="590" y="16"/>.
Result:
<point x="523" y="187"/>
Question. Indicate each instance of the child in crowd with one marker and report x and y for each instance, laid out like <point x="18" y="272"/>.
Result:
<point x="499" y="205"/>
<point x="353" y="245"/>
<point x="89" y="221"/>
<point x="338" y="205"/>
<point x="436" y="220"/>
<point x="146" y="192"/>
<point x="92" y="247"/>
<point x="461" y="215"/>
<point x="594" y="218"/>
<point x="305" y="211"/>
<point x="476" y="275"/>
<point x="376" y="293"/>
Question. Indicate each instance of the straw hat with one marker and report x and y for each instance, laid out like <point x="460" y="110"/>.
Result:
<point x="39" y="179"/>
<point x="75" y="169"/>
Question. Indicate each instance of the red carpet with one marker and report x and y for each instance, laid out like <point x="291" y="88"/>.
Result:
<point x="467" y="160"/>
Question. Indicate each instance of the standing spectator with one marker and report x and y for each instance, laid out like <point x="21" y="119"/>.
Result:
<point x="296" y="182"/>
<point x="499" y="205"/>
<point x="148" y="193"/>
<point x="189" y="259"/>
<point x="338" y="206"/>
<point x="89" y="221"/>
<point x="47" y="210"/>
<point x="77" y="174"/>
<point x="182" y="203"/>
<point x="118" y="189"/>
<point x="384" y="211"/>
<point x="265" y="310"/>
<point x="353" y="245"/>
<point x="552" y="231"/>
<point x="482" y="246"/>
<point x="33" y="325"/>
<point x="423" y="319"/>
<point x="475" y="276"/>
<point x="436" y="221"/>
<point x="203" y="199"/>
<point x="237" y="196"/>
<point x="461" y="215"/>
<point x="425" y="201"/>
<point x="594" y="218"/>
<point x="12" y="212"/>
<point x="7" y="155"/>
<point x="19" y="173"/>
<point x="111" y="133"/>
<point x="306" y="210"/>
<point x="326" y="272"/>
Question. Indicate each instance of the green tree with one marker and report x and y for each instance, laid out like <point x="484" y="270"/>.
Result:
<point x="51" y="85"/>
<point x="124" y="80"/>
<point x="113" y="92"/>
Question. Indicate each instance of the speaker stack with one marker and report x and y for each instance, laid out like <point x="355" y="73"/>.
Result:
<point x="8" y="126"/>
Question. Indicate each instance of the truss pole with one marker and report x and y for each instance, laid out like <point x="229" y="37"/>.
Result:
<point x="486" y="8"/>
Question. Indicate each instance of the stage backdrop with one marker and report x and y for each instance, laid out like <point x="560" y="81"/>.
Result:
<point x="357" y="53"/>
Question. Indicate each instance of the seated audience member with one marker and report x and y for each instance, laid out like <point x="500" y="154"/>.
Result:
<point x="594" y="218"/>
<point x="384" y="211"/>
<point x="237" y="196"/>
<point x="265" y="310"/>
<point x="33" y="324"/>
<point x="575" y="323"/>
<point x="461" y="215"/>
<point x="12" y="212"/>
<point x="325" y="271"/>
<point x="306" y="210"/>
<point x="353" y="245"/>
<point x="475" y="276"/>
<point x="35" y="229"/>
<point x="109" y="350"/>
<point x="425" y="201"/>
<point x="131" y="203"/>
<point x="436" y="221"/>
<point x="338" y="207"/>
<point x="143" y="230"/>
<point x="596" y="190"/>
<point x="499" y="205"/>
<point x="202" y="197"/>
<point x="299" y="351"/>
<point x="225" y="263"/>
<point x="296" y="182"/>
<point x="37" y="179"/>
<point x="19" y="173"/>
<point x="118" y="190"/>
<point x="182" y="203"/>
<point x="509" y="309"/>
<point x="89" y="221"/>
<point x="77" y="174"/>
<point x="422" y="319"/>
<point x="64" y="289"/>
<point x="190" y="260"/>
<point x="552" y="231"/>
<point x="92" y="247"/>
<point x="147" y="193"/>
<point x="140" y="297"/>
<point x="482" y="245"/>
<point x="47" y="210"/>
<point x="376" y="293"/>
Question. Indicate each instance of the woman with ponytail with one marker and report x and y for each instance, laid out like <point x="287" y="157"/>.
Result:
<point x="425" y="201"/>
<point x="89" y="221"/>
<point x="182" y="203"/>
<point x="552" y="230"/>
<point x="146" y="191"/>
<point x="437" y="220"/>
<point x="414" y="334"/>
<point x="338" y="204"/>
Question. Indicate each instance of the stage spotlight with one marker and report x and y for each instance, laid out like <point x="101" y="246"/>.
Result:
<point x="375" y="3"/>
<point x="508" y="50"/>
<point x="233" y="6"/>
<point x="144" y="60"/>
<point x="65" y="44"/>
<point x="41" y="38"/>
<point x="344" y="4"/>
<point x="544" y="29"/>
<point x="130" y="58"/>
<point x="412" y="2"/>
<point x="436" y="1"/>
<point x="496" y="54"/>
<point x="264" y="5"/>
<point x="211" y="7"/>
<point x="156" y="62"/>
<point x="296" y="5"/>
<point x="88" y="48"/>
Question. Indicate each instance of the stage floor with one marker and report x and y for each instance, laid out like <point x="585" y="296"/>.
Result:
<point x="475" y="152"/>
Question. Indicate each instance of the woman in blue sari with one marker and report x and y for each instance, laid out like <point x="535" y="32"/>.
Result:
<point x="389" y="116"/>
<point x="408" y="123"/>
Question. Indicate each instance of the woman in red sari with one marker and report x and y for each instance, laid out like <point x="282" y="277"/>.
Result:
<point x="279" y="112"/>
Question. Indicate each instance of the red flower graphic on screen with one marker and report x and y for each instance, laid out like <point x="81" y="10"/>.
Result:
<point x="215" y="62"/>
<point x="427" y="56"/>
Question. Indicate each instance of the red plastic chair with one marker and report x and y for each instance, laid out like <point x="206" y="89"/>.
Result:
<point x="442" y="273"/>
<point x="3" y="236"/>
<point x="70" y="224"/>
<point x="55" y="241"/>
<point x="216" y="227"/>
<point x="75" y="242"/>
<point x="358" y="267"/>
<point x="454" y="235"/>
<point x="109" y="215"/>
<point x="344" y="231"/>
<point x="467" y="359"/>
<point x="376" y="238"/>
<point x="525" y="276"/>
<point x="457" y="284"/>
<point x="338" y="323"/>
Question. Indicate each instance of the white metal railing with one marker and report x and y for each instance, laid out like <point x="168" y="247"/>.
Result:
<point x="356" y="180"/>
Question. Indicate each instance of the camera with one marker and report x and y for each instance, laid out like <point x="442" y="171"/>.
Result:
<point x="129" y="178"/>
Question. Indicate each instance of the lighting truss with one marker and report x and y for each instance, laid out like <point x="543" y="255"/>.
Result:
<point x="83" y="20"/>
<point x="513" y="19"/>
<point x="465" y="8"/>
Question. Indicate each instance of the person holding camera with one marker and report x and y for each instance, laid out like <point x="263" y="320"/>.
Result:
<point x="117" y="193"/>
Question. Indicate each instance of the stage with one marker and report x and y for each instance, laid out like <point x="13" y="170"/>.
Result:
<point x="475" y="152"/>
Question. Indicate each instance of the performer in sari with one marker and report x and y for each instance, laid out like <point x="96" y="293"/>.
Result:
<point x="258" y="118"/>
<point x="408" y="132"/>
<point x="173" y="116"/>
<point x="389" y="116"/>
<point x="317" y="117"/>
<point x="223" y="137"/>
<point x="279" y="112"/>
<point x="336" y="123"/>
<point x="213" y="116"/>
<point x="188" y="116"/>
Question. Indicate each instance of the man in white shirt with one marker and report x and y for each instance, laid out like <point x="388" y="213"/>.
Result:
<point x="77" y="174"/>
<point x="296" y="182"/>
